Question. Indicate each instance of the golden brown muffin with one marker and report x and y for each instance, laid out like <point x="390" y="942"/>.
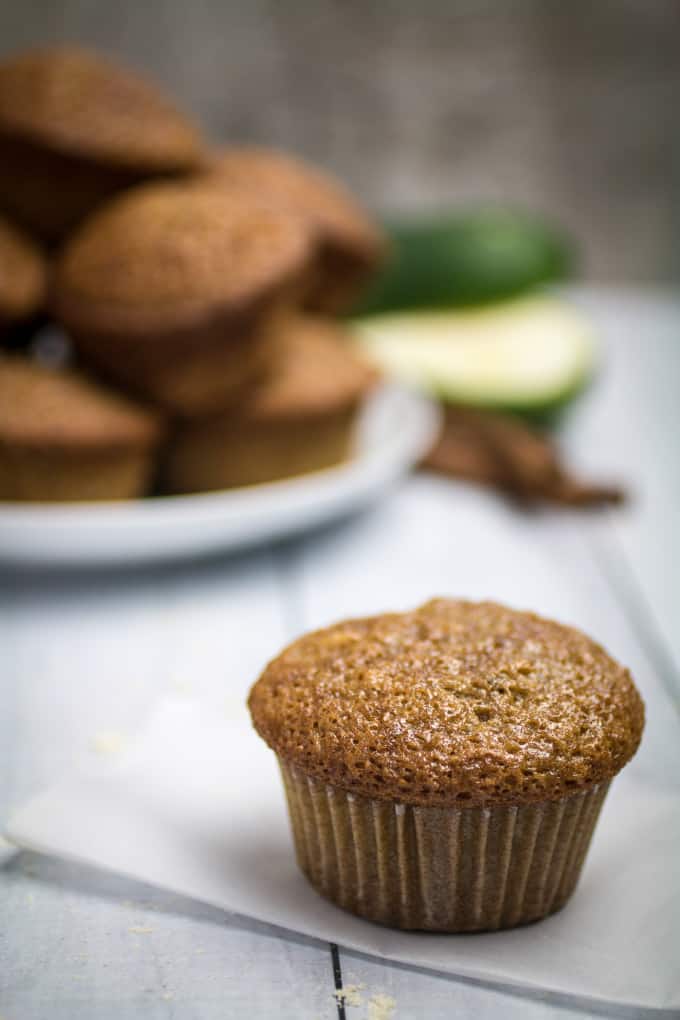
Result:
<point x="171" y="291"/>
<point x="300" y="419"/>
<point x="75" y="129"/>
<point x="64" y="438"/>
<point x="23" y="277"/>
<point x="349" y="245"/>
<point x="445" y="767"/>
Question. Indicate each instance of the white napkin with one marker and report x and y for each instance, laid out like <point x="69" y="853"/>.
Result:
<point x="196" y="806"/>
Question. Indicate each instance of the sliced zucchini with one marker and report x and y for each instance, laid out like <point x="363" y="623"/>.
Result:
<point x="530" y="355"/>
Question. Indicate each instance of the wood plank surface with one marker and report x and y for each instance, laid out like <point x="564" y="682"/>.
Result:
<point x="84" y="657"/>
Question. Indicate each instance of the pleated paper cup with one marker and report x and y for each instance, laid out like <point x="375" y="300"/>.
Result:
<point x="477" y="868"/>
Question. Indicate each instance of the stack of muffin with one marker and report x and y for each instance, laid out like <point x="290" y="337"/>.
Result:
<point x="199" y="290"/>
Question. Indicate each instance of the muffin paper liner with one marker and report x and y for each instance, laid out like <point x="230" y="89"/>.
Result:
<point x="476" y="868"/>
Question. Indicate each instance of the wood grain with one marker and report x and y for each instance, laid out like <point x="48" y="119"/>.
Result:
<point x="87" y="654"/>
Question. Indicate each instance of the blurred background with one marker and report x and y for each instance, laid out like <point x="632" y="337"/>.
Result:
<point x="569" y="109"/>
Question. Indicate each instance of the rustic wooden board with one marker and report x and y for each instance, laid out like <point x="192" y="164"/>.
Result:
<point x="85" y="656"/>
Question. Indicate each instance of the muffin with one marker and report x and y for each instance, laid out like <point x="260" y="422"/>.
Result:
<point x="23" y="276"/>
<point x="349" y="245"/>
<point x="64" y="438"/>
<point x="300" y="419"/>
<point x="171" y="291"/>
<point x="445" y="768"/>
<point x="75" y="129"/>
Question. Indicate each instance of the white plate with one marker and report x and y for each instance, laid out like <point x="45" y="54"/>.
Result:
<point x="396" y="429"/>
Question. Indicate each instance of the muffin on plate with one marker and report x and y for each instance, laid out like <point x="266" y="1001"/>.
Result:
<point x="445" y="767"/>
<point x="23" y="277"/>
<point x="300" y="419"/>
<point x="171" y="291"/>
<point x="350" y="246"/>
<point x="64" y="438"/>
<point x="75" y="129"/>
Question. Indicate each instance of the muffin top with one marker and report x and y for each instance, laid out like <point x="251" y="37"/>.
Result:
<point x="454" y="703"/>
<point x="164" y="255"/>
<point x="22" y="274"/>
<point x="74" y="101"/>
<point x="59" y="409"/>
<point x="314" y="372"/>
<point x="293" y="185"/>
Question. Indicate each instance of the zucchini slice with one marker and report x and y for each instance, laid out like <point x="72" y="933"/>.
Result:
<point x="529" y="355"/>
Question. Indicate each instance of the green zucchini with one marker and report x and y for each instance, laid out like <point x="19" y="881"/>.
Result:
<point x="466" y="259"/>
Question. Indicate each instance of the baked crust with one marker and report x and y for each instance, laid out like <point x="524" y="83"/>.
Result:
<point x="74" y="101"/>
<point x="349" y="245"/>
<point x="64" y="438"/>
<point x="171" y="291"/>
<point x="314" y="371"/>
<point x="300" y="418"/>
<point x="75" y="130"/>
<point x="23" y="274"/>
<point x="58" y="409"/>
<point x="453" y="704"/>
<point x="169" y="255"/>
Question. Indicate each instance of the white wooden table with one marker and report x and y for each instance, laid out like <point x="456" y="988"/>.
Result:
<point x="85" y="656"/>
